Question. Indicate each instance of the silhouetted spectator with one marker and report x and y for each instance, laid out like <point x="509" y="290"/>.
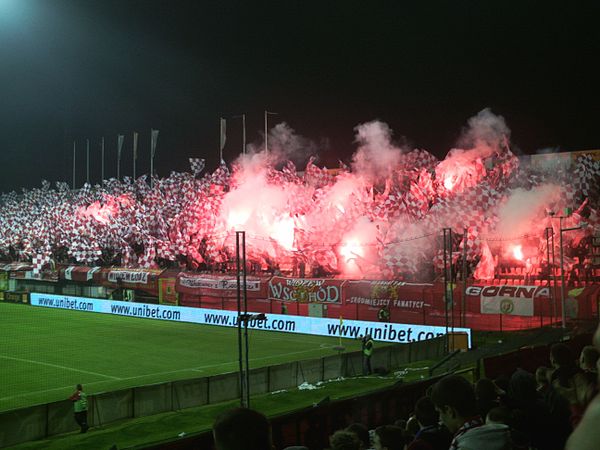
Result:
<point x="532" y="415"/>
<point x="542" y="380"/>
<point x="432" y="435"/>
<point x="564" y="365"/>
<point x="362" y="433"/>
<point x="486" y="395"/>
<point x="388" y="437"/>
<point x="454" y="399"/>
<point x="344" y="440"/>
<point x="242" y="429"/>
<point x="588" y="359"/>
<point x="587" y="434"/>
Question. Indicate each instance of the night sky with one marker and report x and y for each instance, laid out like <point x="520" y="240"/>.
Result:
<point x="71" y="70"/>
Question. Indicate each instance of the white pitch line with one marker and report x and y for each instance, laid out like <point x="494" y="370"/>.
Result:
<point x="191" y="369"/>
<point x="31" y="361"/>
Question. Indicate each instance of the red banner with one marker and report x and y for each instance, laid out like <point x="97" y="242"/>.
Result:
<point x="142" y="279"/>
<point x="80" y="273"/>
<point x="220" y="285"/>
<point x="393" y="294"/>
<point x="306" y="290"/>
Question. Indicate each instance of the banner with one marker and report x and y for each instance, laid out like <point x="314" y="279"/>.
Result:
<point x="220" y="285"/>
<point x="391" y="294"/>
<point x="142" y="279"/>
<point x="512" y="300"/>
<point x="80" y="273"/>
<point x="306" y="290"/>
<point x="350" y="329"/>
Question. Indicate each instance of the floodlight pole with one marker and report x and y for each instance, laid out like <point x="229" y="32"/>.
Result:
<point x="562" y="269"/>
<point x="240" y="262"/>
<point x="448" y="294"/>
<point x="243" y="117"/>
<point x="267" y="129"/>
<point x="551" y="274"/>
<point x="464" y="280"/>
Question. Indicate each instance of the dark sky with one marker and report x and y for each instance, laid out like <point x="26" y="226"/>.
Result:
<point x="77" y="69"/>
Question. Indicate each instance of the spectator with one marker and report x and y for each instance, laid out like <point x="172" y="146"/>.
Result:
<point x="587" y="434"/>
<point x="79" y="399"/>
<point x="563" y="362"/>
<point x="388" y="437"/>
<point x="532" y="415"/>
<point x="242" y="429"/>
<point x="454" y="399"/>
<point x="499" y="415"/>
<point x="542" y="380"/>
<point x="588" y="359"/>
<point x="344" y="440"/>
<point x="431" y="435"/>
<point x="367" y="351"/>
<point x="411" y="428"/>
<point x="486" y="395"/>
<point x="361" y="433"/>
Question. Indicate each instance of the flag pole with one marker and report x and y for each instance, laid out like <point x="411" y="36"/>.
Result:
<point x="87" y="177"/>
<point x="120" y="139"/>
<point x="135" y="142"/>
<point x="243" y="117"/>
<point x="243" y="134"/>
<point x="102" y="158"/>
<point x="267" y="129"/>
<point x="222" y="138"/>
<point x="74" y="156"/>
<point x="153" y="141"/>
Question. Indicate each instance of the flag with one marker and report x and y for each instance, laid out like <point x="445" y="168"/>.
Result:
<point x="153" y="140"/>
<point x="135" y="142"/>
<point x="120" y="139"/>
<point x="197" y="165"/>
<point x="223" y="133"/>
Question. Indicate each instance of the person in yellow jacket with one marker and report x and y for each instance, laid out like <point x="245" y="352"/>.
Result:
<point x="79" y="399"/>
<point x="367" y="351"/>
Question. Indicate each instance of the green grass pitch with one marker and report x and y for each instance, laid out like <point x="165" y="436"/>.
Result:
<point x="45" y="352"/>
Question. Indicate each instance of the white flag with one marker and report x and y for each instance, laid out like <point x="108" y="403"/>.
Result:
<point x="153" y="140"/>
<point x="120" y="140"/>
<point x="135" y="142"/>
<point x="223" y="133"/>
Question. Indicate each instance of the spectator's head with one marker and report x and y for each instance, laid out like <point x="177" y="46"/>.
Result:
<point x="485" y="390"/>
<point x="454" y="399"/>
<point x="344" y="440"/>
<point x="388" y="437"/>
<point x="501" y="382"/>
<point x="585" y="385"/>
<point x="426" y="413"/>
<point x="541" y="377"/>
<point x="242" y="429"/>
<point x="79" y="387"/>
<point x="362" y="433"/>
<point x="412" y="427"/>
<point x="500" y="414"/>
<point x="561" y="356"/>
<point x="589" y="358"/>
<point x="522" y="389"/>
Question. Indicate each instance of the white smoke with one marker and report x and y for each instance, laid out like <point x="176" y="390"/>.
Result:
<point x="285" y="144"/>
<point x="485" y="132"/>
<point x="376" y="157"/>
<point x="524" y="212"/>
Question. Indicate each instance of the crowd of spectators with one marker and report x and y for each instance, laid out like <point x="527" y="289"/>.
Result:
<point x="558" y="407"/>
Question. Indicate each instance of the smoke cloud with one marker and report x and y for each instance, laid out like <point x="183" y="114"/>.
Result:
<point x="376" y="157"/>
